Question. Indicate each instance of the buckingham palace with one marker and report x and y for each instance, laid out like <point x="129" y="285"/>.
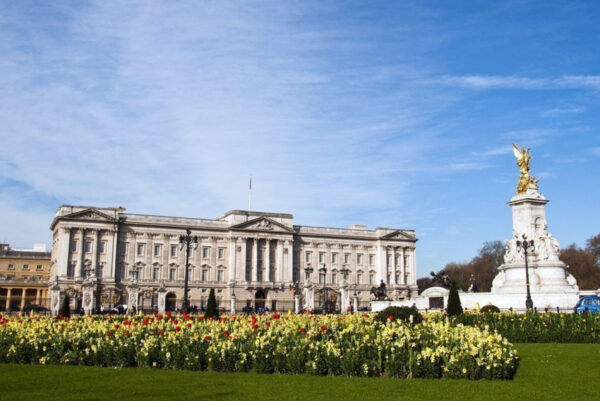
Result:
<point x="102" y="257"/>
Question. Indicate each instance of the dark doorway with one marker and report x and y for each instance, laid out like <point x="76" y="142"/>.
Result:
<point x="436" y="302"/>
<point x="259" y="301"/>
<point x="171" y="302"/>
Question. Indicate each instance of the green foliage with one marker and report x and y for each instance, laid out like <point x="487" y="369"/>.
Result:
<point x="533" y="327"/>
<point x="65" y="310"/>
<point x="404" y="313"/>
<point x="490" y="309"/>
<point x="211" y="306"/>
<point x="454" y="307"/>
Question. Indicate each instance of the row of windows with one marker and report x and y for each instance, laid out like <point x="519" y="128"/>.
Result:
<point x="87" y="246"/>
<point x="25" y="267"/>
<point x="173" y="274"/>
<point x="157" y="250"/>
<point x="359" y="258"/>
<point x="359" y="278"/>
<point x="334" y="258"/>
<point x="10" y="277"/>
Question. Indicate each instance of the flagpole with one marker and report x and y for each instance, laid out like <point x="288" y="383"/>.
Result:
<point x="249" y="191"/>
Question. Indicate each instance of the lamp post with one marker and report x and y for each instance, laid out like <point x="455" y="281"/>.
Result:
<point x="526" y="245"/>
<point x="325" y="293"/>
<point x="187" y="240"/>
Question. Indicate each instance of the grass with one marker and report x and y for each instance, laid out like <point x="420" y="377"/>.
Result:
<point x="547" y="372"/>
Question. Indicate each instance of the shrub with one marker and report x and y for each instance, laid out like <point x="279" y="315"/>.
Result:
<point x="490" y="309"/>
<point x="211" y="306"/>
<point x="454" y="307"/>
<point x="65" y="310"/>
<point x="403" y="313"/>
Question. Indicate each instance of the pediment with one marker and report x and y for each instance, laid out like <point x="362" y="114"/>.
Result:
<point x="262" y="224"/>
<point x="400" y="235"/>
<point x="90" y="214"/>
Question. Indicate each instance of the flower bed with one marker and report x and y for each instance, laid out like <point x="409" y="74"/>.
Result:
<point x="536" y="327"/>
<point x="352" y="345"/>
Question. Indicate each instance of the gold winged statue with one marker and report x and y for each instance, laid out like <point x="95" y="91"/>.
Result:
<point x="525" y="180"/>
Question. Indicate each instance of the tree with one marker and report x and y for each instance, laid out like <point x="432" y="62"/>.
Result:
<point x="593" y="247"/>
<point x="65" y="309"/>
<point x="582" y="265"/>
<point x="454" y="307"/>
<point x="211" y="306"/>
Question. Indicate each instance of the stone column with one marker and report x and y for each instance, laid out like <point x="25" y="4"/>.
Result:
<point x="288" y="262"/>
<point x="241" y="271"/>
<point x="162" y="300"/>
<point x="381" y="261"/>
<point x="267" y="260"/>
<point x="232" y="259"/>
<point x="413" y="265"/>
<point x="356" y="304"/>
<point x="254" y="259"/>
<point x="403" y="264"/>
<point x="95" y="250"/>
<point x="297" y="303"/>
<point x="111" y="256"/>
<point x="55" y="299"/>
<point x="65" y="247"/>
<point x="8" y="294"/>
<point x="232" y="304"/>
<point x="23" y="294"/>
<point x="38" y="294"/>
<point x="279" y="262"/>
<point x="80" y="254"/>
<point x="89" y="300"/>
<point x="393" y="270"/>
<point x="344" y="302"/>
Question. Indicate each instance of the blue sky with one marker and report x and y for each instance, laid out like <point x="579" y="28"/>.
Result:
<point x="397" y="114"/>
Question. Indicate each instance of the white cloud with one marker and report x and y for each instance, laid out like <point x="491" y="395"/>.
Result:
<point x="561" y="111"/>
<point x="591" y="82"/>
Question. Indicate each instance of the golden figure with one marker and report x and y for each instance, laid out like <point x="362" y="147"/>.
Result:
<point x="525" y="180"/>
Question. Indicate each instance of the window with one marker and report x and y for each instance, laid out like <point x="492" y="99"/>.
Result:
<point x="71" y="270"/>
<point x="388" y="278"/>
<point x="120" y="272"/>
<point x="73" y="245"/>
<point x="140" y="249"/>
<point x="205" y="252"/>
<point x="371" y="278"/>
<point x="334" y="278"/>
<point x="172" y="274"/>
<point x="1" y="277"/>
<point x="157" y="250"/>
<point x="321" y="278"/>
<point x="220" y="276"/>
<point x="334" y="258"/>
<point x="11" y="267"/>
<point x="321" y="257"/>
<point x="308" y="257"/>
<point x="389" y="260"/>
<point x="173" y="251"/>
<point x="359" y="278"/>
<point x="25" y="277"/>
<point x="99" y="271"/>
<point x="101" y="246"/>
<point x="25" y="267"/>
<point x="359" y="258"/>
<point x="155" y="273"/>
<point x="397" y="277"/>
<point x="204" y="275"/>
<point x="221" y="253"/>
<point x="346" y="258"/>
<point x="122" y="248"/>
<point x="371" y="260"/>
<point x="87" y="246"/>
<point x="10" y="277"/>
<point x="397" y="259"/>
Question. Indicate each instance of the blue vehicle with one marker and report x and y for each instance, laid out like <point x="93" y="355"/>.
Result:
<point x="588" y="304"/>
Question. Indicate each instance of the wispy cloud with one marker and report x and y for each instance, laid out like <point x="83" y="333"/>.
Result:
<point x="514" y="82"/>
<point x="561" y="111"/>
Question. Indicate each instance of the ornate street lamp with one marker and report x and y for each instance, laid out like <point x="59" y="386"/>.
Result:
<point x="187" y="240"/>
<point x="308" y="270"/>
<point x="345" y="271"/>
<point x="526" y="245"/>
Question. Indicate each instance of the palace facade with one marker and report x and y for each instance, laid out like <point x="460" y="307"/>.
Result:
<point x="23" y="277"/>
<point x="105" y="256"/>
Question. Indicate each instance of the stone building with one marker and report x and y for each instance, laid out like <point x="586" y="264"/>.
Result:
<point x="23" y="277"/>
<point x="105" y="256"/>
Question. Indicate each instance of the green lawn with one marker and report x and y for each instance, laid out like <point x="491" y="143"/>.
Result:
<point x="547" y="372"/>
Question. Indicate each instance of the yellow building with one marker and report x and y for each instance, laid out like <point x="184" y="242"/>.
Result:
<point x="23" y="277"/>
